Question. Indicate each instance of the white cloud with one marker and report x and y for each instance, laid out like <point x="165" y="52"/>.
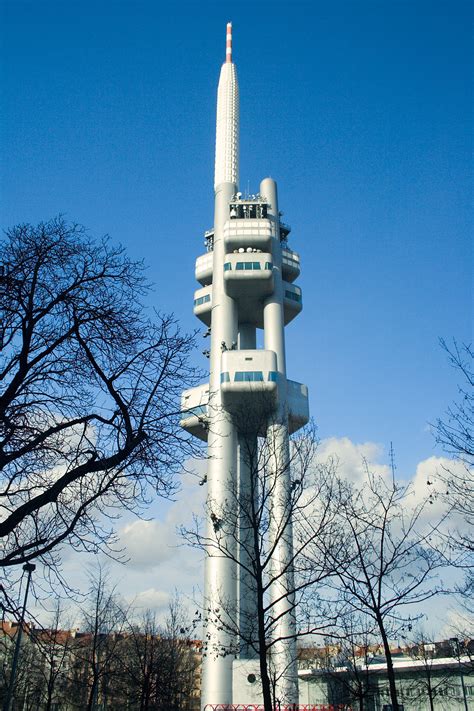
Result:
<point x="160" y="563"/>
<point x="352" y="457"/>
<point x="429" y="481"/>
<point x="146" y="543"/>
<point x="155" y="547"/>
<point x="426" y="482"/>
<point x="353" y="460"/>
<point x="151" y="599"/>
<point x="426" y="485"/>
<point x="458" y="623"/>
<point x="151" y="543"/>
<point x="435" y="470"/>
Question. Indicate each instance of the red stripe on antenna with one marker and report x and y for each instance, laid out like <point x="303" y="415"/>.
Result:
<point x="228" y="43"/>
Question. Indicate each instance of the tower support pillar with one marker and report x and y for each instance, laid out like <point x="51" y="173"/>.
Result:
<point x="283" y="658"/>
<point x="220" y="594"/>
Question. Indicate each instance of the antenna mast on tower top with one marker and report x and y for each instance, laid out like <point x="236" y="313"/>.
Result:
<point x="227" y="122"/>
<point x="228" y="43"/>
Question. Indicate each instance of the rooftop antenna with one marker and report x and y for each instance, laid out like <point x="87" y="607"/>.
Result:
<point x="392" y="462"/>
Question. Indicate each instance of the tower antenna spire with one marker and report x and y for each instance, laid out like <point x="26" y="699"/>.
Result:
<point x="227" y="120"/>
<point x="228" y="43"/>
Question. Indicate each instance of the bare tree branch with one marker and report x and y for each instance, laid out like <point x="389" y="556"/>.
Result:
<point x="89" y="391"/>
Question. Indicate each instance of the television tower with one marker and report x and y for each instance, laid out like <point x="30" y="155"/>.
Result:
<point x="246" y="278"/>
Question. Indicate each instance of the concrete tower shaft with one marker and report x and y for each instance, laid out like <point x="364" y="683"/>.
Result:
<point x="246" y="279"/>
<point x="220" y="585"/>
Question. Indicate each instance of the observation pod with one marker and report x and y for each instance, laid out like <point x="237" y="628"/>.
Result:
<point x="248" y="274"/>
<point x="195" y="401"/>
<point x="203" y="304"/>
<point x="247" y="285"/>
<point x="195" y="411"/>
<point x="249" y="384"/>
<point x="203" y="269"/>
<point x="290" y="264"/>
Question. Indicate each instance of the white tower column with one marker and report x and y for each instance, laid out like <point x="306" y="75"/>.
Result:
<point x="220" y="604"/>
<point x="220" y="596"/>
<point x="283" y="660"/>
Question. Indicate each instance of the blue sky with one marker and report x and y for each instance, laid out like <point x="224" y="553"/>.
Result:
<point x="361" y="110"/>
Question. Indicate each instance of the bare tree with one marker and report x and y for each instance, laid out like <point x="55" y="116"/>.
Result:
<point x="54" y="652"/>
<point x="141" y="660"/>
<point x="354" y="641"/>
<point x="246" y="532"/>
<point x="160" y="663"/>
<point x="179" y="661"/>
<point x="455" y="434"/>
<point x="385" y="556"/>
<point x="111" y="663"/>
<point x="89" y="387"/>
<point x="26" y="683"/>
<point x="98" y="651"/>
<point x="430" y="682"/>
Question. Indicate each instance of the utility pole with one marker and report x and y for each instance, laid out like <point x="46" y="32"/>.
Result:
<point x="28" y="568"/>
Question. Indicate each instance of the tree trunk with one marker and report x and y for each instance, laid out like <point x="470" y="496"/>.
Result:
<point x="389" y="662"/>
<point x="91" y="702"/>
<point x="430" y="697"/>
<point x="145" y="694"/>
<point x="262" y="645"/>
<point x="266" y="686"/>
<point x="49" y="699"/>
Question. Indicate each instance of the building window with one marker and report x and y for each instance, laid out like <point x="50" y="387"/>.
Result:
<point x="202" y="300"/>
<point x="227" y="266"/>
<point x="248" y="376"/>
<point x="293" y="296"/>
<point x="268" y="265"/>
<point x="225" y="378"/>
<point x="273" y="376"/>
<point x="247" y="266"/>
<point x="194" y="411"/>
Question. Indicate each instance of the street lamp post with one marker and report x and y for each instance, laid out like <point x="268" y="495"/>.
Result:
<point x="28" y="568"/>
<point x="456" y="641"/>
